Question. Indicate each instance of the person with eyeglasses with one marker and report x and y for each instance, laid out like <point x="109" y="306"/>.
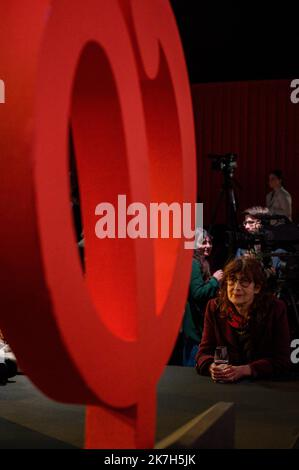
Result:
<point x="250" y="322"/>
<point x="253" y="225"/>
<point x="203" y="287"/>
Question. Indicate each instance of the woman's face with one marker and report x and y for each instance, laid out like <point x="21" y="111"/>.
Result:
<point x="205" y="247"/>
<point x="241" y="291"/>
<point x="274" y="182"/>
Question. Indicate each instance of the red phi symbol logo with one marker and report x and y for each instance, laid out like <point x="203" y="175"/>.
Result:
<point x="115" y="71"/>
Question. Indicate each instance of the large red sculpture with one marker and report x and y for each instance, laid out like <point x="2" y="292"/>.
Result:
<point x="115" y="71"/>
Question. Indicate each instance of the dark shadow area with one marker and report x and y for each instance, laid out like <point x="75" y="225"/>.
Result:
<point x="75" y="197"/>
<point x="234" y="40"/>
<point x="15" y="436"/>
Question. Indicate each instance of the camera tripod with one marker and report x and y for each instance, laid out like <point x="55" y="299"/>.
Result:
<point x="227" y="194"/>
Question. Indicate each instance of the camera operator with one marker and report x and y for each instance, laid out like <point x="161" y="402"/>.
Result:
<point x="277" y="249"/>
<point x="253" y="225"/>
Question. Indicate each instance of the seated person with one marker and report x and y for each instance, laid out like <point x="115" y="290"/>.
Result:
<point x="203" y="287"/>
<point x="250" y="322"/>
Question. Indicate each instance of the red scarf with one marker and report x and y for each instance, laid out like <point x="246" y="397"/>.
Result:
<point x="236" y="320"/>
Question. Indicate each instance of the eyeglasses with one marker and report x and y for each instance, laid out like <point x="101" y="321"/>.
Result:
<point x="249" y="222"/>
<point x="243" y="282"/>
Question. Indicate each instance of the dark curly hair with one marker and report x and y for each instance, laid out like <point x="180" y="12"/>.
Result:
<point x="278" y="174"/>
<point x="251" y="269"/>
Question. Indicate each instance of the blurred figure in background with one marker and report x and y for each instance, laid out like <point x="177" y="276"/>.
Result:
<point x="278" y="201"/>
<point x="252" y="224"/>
<point x="203" y="287"/>
<point x="8" y="363"/>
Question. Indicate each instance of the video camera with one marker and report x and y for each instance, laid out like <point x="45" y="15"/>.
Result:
<point x="283" y="235"/>
<point x="280" y="241"/>
<point x="225" y="163"/>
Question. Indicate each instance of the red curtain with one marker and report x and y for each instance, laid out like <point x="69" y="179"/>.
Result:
<point x="257" y="121"/>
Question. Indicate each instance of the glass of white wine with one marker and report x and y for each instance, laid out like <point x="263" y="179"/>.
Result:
<point x="221" y="357"/>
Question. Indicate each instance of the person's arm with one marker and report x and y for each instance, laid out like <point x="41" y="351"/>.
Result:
<point x="268" y="200"/>
<point x="285" y="203"/>
<point x="279" y="362"/>
<point x="199" y="289"/>
<point x="205" y="355"/>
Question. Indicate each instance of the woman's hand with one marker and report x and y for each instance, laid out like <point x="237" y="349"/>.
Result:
<point x="218" y="275"/>
<point x="217" y="371"/>
<point x="229" y="373"/>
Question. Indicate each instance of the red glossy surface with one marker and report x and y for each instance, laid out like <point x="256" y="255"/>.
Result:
<point x="115" y="70"/>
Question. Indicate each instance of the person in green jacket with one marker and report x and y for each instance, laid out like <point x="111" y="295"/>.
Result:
<point x="203" y="287"/>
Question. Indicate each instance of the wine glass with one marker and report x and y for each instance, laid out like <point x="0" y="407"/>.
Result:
<point x="221" y="357"/>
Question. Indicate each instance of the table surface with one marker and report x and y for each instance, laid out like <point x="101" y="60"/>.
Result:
<point x="267" y="413"/>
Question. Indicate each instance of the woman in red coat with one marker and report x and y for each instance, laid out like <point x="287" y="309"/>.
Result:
<point x="250" y="322"/>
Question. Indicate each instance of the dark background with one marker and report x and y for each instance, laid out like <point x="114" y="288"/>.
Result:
<point x="241" y="59"/>
<point x="239" y="40"/>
